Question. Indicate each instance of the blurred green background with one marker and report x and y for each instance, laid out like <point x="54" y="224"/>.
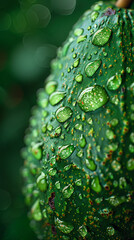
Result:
<point x="30" y="33"/>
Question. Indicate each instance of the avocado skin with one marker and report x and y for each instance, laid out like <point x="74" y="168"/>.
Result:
<point x="78" y="170"/>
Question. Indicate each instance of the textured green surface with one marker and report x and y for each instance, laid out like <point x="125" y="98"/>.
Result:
<point x="79" y="164"/>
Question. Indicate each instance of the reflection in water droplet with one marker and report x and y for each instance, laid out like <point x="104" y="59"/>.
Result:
<point x="63" y="226"/>
<point x="92" y="98"/>
<point x="92" y="67"/>
<point x="114" y="82"/>
<point x="102" y="36"/>
<point x="66" y="151"/>
<point x="68" y="191"/>
<point x="51" y="87"/>
<point x="63" y="114"/>
<point x="95" y="185"/>
<point x="56" y="97"/>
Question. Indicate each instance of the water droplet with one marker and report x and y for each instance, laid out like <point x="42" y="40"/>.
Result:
<point x="78" y="31"/>
<point x="56" y="133"/>
<point x="95" y="185"/>
<point x="63" y="114"/>
<point x="66" y="151"/>
<point x="94" y="16"/>
<point x="114" y="122"/>
<point x="92" y="67"/>
<point x="49" y="127"/>
<point x="66" y="168"/>
<point x="130" y="164"/>
<point x="36" y="150"/>
<point x="97" y="7"/>
<point x="110" y="231"/>
<point x="42" y="101"/>
<point x="52" y="160"/>
<point x="115" y="201"/>
<point x="78" y="182"/>
<point x="76" y="62"/>
<point x="68" y="191"/>
<point x="132" y="116"/>
<point x="92" y="98"/>
<point x="101" y="37"/>
<point x="90" y="121"/>
<point x="111" y="147"/>
<point x="128" y="69"/>
<point x="131" y="148"/>
<point x="132" y="88"/>
<point x="79" y="127"/>
<point x="63" y="226"/>
<point x="66" y="47"/>
<point x="81" y="38"/>
<point x="79" y="78"/>
<point x="90" y="164"/>
<point x="82" y="141"/>
<point x="36" y="211"/>
<point x="110" y="134"/>
<point x="57" y="185"/>
<point x="114" y="82"/>
<point x="122" y="183"/>
<point x="41" y="182"/>
<point x="52" y="172"/>
<point x="132" y="137"/>
<point x="116" y="166"/>
<point x="80" y="153"/>
<point x="51" y="87"/>
<point x="56" y="97"/>
<point x="132" y="107"/>
<point x="83" y="231"/>
<point x="74" y="55"/>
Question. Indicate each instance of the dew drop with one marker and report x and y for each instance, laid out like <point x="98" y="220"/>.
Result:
<point x="95" y="185"/>
<point x="90" y="164"/>
<point x="78" y="31"/>
<point x="110" y="134"/>
<point x="63" y="114"/>
<point x="63" y="226"/>
<point x="81" y="38"/>
<point x="92" y="67"/>
<point x="80" y="154"/>
<point x="41" y="182"/>
<point x="37" y="151"/>
<point x="132" y="137"/>
<point x="78" y="182"/>
<point x="68" y="191"/>
<point x="76" y="63"/>
<point x="66" y="47"/>
<point x="66" y="168"/>
<point x="114" y="122"/>
<point x="130" y="164"/>
<point x="56" y="97"/>
<point x="36" y="211"/>
<point x="131" y="148"/>
<point x="83" y="231"/>
<point x="97" y="7"/>
<point x="79" y="127"/>
<point x="116" y="166"/>
<point x="52" y="172"/>
<point x="132" y="88"/>
<point x="51" y="87"/>
<point x="114" y="82"/>
<point x="82" y="141"/>
<point x="92" y="98"/>
<point x="57" y="185"/>
<point x="94" y="16"/>
<point x="122" y="183"/>
<point x="101" y="37"/>
<point x="66" y="151"/>
<point x="110" y="231"/>
<point x="79" y="78"/>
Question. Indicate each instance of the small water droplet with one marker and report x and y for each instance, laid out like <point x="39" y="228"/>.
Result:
<point x="110" y="134"/>
<point x="68" y="191"/>
<point x="36" y="211"/>
<point x="110" y="231"/>
<point x="78" y="31"/>
<point x="92" y="67"/>
<point x="114" y="122"/>
<point x="81" y="38"/>
<point x="41" y="182"/>
<point x="90" y="164"/>
<point x="52" y="172"/>
<point x="83" y="231"/>
<point x="74" y="55"/>
<point x="116" y="165"/>
<point x="49" y="127"/>
<point x="97" y="7"/>
<point x="112" y="147"/>
<point x="130" y="164"/>
<point x="63" y="114"/>
<point x="80" y="154"/>
<point x="56" y="97"/>
<point x="36" y="150"/>
<point x="92" y="98"/>
<point x="79" y="78"/>
<point x="79" y="127"/>
<point x="66" y="168"/>
<point x="66" y="151"/>
<point x="132" y="88"/>
<point x="66" y="47"/>
<point x="132" y="137"/>
<point x="101" y="37"/>
<point x="82" y="141"/>
<point x="63" y="226"/>
<point x="128" y="69"/>
<point x="122" y="183"/>
<point x="114" y="82"/>
<point x="115" y="201"/>
<point x="76" y="63"/>
<point x="78" y="182"/>
<point x="57" y="185"/>
<point x="131" y="148"/>
<point x="50" y="87"/>
<point x="94" y="16"/>
<point x="95" y="185"/>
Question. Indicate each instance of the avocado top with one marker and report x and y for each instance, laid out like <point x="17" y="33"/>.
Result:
<point x="79" y="154"/>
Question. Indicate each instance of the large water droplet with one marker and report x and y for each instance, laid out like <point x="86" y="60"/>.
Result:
<point x="56" y="97"/>
<point x="63" y="226"/>
<point x="68" y="191"/>
<point x="102" y="36"/>
<point x="82" y="141"/>
<point x="114" y="82"/>
<point x="78" y="31"/>
<point x="92" y="67"/>
<point x="91" y="165"/>
<point x="63" y="114"/>
<point x="41" y="182"/>
<point x="36" y="211"/>
<point x="95" y="185"/>
<point x="92" y="98"/>
<point x="51" y="87"/>
<point x="76" y="62"/>
<point x="83" y="231"/>
<point x="66" y="151"/>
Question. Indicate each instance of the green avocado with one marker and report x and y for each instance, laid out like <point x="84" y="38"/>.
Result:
<point x="79" y="154"/>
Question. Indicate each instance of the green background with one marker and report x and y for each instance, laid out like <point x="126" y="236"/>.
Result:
<point x="29" y="37"/>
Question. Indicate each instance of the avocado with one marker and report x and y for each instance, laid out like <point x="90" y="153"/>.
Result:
<point x="79" y="147"/>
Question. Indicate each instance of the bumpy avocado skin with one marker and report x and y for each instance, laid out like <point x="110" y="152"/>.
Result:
<point x="79" y="154"/>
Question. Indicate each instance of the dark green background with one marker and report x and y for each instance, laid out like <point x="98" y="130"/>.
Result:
<point x="18" y="95"/>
